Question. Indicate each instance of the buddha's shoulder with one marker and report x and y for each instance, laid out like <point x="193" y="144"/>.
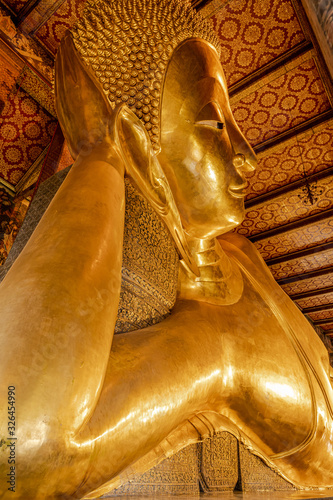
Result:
<point x="241" y="248"/>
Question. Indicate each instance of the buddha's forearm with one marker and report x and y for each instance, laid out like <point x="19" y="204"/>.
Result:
<point x="59" y="304"/>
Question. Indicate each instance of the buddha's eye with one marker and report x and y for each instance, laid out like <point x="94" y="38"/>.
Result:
<point x="211" y="123"/>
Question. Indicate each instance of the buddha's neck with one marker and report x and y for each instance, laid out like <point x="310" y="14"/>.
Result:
<point x="219" y="282"/>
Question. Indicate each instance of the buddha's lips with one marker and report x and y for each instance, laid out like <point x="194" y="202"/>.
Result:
<point x="237" y="191"/>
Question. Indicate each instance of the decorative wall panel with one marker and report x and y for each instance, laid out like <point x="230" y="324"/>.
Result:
<point x="308" y="284"/>
<point x="177" y="475"/>
<point x="264" y="29"/>
<point x="286" y="208"/>
<point x="25" y="130"/>
<point x="310" y="154"/>
<point x="318" y="260"/>
<point x="305" y="237"/>
<point x="285" y="102"/>
<point x="64" y="18"/>
<point x="319" y="300"/>
<point x="218" y="459"/>
<point x="256" y="476"/>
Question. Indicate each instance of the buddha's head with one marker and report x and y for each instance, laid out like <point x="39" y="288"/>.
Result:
<point x="161" y="59"/>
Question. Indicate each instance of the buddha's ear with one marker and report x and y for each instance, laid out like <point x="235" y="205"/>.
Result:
<point x="145" y="172"/>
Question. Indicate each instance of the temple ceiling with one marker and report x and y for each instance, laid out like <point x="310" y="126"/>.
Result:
<point x="281" y="95"/>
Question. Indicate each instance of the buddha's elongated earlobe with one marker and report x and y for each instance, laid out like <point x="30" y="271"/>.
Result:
<point x="145" y="171"/>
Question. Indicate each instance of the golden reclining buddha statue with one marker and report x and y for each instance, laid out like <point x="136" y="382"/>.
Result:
<point x="141" y="94"/>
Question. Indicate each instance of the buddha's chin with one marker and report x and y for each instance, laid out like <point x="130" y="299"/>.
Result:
<point x="207" y="232"/>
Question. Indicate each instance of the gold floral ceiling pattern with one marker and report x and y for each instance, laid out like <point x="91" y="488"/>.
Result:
<point x="316" y="261"/>
<point x="281" y="96"/>
<point x="283" y="103"/>
<point x="263" y="30"/>
<point x="307" y="155"/>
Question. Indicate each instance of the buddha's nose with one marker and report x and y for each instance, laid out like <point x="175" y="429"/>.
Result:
<point x="244" y="157"/>
<point x="245" y="163"/>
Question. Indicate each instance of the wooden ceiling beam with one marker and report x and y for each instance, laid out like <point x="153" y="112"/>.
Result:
<point x="325" y="321"/>
<point x="200" y="4"/>
<point x="303" y="276"/>
<point x="29" y="7"/>
<point x="290" y="226"/>
<point x="294" y="131"/>
<point x="314" y="309"/>
<point x="270" y="195"/>
<point x="299" y="254"/>
<point x="312" y="293"/>
<point x="278" y="63"/>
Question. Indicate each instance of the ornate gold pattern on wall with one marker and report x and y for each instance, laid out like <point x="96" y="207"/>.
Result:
<point x="264" y="29"/>
<point x="177" y="475"/>
<point x="318" y="260"/>
<point x="298" y="239"/>
<point x="311" y="154"/>
<point x="218" y="463"/>
<point x="256" y="476"/>
<point x="285" y="102"/>
<point x="149" y="268"/>
<point x="25" y="130"/>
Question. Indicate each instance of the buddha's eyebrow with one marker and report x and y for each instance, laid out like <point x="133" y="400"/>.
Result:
<point x="205" y="85"/>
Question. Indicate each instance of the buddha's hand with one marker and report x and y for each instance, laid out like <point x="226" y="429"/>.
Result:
<point x="84" y="112"/>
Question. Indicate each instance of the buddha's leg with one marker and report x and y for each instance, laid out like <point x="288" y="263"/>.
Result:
<point x="58" y="308"/>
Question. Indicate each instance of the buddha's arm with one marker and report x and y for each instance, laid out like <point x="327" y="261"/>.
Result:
<point x="58" y="309"/>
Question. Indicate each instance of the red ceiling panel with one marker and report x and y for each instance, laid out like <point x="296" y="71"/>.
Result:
<point x="308" y="284"/>
<point x="64" y="18"/>
<point x="289" y="207"/>
<point x="310" y="154"/>
<point x="318" y="260"/>
<point x="319" y="300"/>
<point x="305" y="237"/>
<point x="317" y="316"/>
<point x="283" y="103"/>
<point x="15" y="5"/>
<point x="264" y="29"/>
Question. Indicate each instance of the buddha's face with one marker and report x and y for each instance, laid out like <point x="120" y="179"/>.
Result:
<point x="203" y="153"/>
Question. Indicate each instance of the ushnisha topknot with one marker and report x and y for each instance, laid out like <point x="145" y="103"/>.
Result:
<point x="128" y="44"/>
